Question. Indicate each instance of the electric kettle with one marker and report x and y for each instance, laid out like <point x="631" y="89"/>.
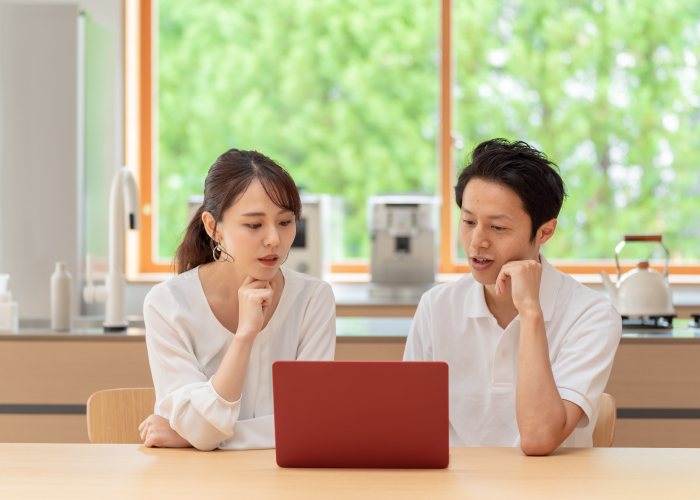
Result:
<point x="641" y="291"/>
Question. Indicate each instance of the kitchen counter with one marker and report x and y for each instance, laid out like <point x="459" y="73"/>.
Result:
<point x="350" y="329"/>
<point x="364" y="293"/>
<point x="360" y="298"/>
<point x="371" y="300"/>
<point x="46" y="378"/>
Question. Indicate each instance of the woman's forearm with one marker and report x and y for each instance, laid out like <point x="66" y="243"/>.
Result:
<point x="229" y="378"/>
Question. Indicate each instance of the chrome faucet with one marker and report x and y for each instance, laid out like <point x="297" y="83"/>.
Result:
<point x="123" y="215"/>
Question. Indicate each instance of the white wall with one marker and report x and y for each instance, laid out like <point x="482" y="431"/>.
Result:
<point x="40" y="182"/>
<point x="109" y="13"/>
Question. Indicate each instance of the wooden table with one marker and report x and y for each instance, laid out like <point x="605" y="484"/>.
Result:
<point x="78" y="471"/>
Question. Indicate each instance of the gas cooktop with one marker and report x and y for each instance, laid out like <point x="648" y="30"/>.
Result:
<point x="658" y="322"/>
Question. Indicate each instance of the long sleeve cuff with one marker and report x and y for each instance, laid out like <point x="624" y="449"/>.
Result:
<point x="200" y="415"/>
<point x="220" y="413"/>
<point x="253" y="434"/>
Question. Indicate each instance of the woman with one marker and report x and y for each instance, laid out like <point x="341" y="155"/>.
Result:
<point x="214" y="330"/>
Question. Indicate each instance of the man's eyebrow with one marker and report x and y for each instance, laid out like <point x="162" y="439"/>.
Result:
<point x="499" y="216"/>
<point x="258" y="214"/>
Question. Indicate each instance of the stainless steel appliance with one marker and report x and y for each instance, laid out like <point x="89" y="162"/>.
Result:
<point x="311" y="251"/>
<point x="404" y="230"/>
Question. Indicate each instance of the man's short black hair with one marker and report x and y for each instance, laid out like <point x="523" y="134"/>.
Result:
<point x="522" y="168"/>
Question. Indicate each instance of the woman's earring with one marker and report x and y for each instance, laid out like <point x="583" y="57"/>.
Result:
<point x="221" y="251"/>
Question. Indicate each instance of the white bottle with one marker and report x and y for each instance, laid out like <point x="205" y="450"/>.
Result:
<point x="9" y="317"/>
<point x="61" y="320"/>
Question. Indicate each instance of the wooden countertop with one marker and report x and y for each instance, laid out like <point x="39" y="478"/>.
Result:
<point x="80" y="471"/>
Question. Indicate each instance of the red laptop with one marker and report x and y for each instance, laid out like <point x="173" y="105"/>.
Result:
<point x="362" y="414"/>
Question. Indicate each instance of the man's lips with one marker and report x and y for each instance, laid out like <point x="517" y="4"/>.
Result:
<point x="269" y="260"/>
<point x="480" y="258"/>
<point x="480" y="266"/>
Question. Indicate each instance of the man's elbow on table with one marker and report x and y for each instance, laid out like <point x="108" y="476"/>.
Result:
<point x="543" y="437"/>
<point x="538" y="446"/>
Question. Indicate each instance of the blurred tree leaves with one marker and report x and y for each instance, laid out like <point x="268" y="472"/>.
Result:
<point x="610" y="91"/>
<point x="344" y="95"/>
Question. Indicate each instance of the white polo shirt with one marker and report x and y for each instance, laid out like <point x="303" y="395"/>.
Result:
<point x="453" y="324"/>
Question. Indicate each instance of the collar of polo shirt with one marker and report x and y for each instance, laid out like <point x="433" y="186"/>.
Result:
<point x="475" y="304"/>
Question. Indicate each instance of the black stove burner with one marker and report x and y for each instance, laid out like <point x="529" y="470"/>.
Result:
<point x="657" y="322"/>
<point x="695" y="322"/>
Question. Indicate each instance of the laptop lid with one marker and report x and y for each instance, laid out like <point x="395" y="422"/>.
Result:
<point x="363" y="414"/>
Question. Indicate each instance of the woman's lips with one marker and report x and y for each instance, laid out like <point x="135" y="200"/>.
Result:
<point x="269" y="261"/>
<point x="479" y="266"/>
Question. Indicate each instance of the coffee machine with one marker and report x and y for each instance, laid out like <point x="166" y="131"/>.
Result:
<point x="311" y="251"/>
<point x="404" y="232"/>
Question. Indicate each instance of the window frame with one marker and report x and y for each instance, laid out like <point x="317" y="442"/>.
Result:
<point x="140" y="135"/>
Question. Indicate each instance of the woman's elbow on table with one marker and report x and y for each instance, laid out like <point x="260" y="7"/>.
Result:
<point x="203" y="443"/>
<point x="204" y="438"/>
<point x="206" y="447"/>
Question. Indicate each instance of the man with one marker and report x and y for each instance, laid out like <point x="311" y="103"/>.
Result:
<point x="529" y="348"/>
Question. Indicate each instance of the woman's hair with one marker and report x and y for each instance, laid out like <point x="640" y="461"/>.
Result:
<point x="228" y="178"/>
<point x="522" y="168"/>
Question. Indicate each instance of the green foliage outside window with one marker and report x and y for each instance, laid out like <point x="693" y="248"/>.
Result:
<point x="345" y="94"/>
<point x="610" y="91"/>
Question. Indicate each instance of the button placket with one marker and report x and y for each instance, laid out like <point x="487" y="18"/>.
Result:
<point x="503" y="366"/>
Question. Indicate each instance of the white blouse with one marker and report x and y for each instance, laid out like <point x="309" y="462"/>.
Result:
<point x="186" y="344"/>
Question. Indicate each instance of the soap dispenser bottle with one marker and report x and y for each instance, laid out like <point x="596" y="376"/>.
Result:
<point x="9" y="317"/>
<point x="61" y="299"/>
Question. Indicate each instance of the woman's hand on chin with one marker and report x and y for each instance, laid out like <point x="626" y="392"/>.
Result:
<point x="254" y="298"/>
<point x="156" y="432"/>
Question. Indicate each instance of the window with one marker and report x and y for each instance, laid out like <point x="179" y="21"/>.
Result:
<point x="609" y="90"/>
<point x="357" y="99"/>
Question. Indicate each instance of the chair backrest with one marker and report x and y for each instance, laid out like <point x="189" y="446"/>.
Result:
<point x="604" y="431"/>
<point x="114" y="416"/>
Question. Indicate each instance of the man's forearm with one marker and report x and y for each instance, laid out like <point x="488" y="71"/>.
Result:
<point x="540" y="412"/>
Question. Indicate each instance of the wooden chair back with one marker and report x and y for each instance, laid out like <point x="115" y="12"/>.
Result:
<point x="604" y="431"/>
<point x="114" y="416"/>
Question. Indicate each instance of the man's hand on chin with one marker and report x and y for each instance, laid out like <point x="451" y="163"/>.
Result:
<point x="525" y="277"/>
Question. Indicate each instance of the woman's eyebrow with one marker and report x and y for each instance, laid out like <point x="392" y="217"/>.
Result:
<point x="258" y="214"/>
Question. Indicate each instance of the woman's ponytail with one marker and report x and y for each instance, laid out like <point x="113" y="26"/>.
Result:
<point x="196" y="247"/>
